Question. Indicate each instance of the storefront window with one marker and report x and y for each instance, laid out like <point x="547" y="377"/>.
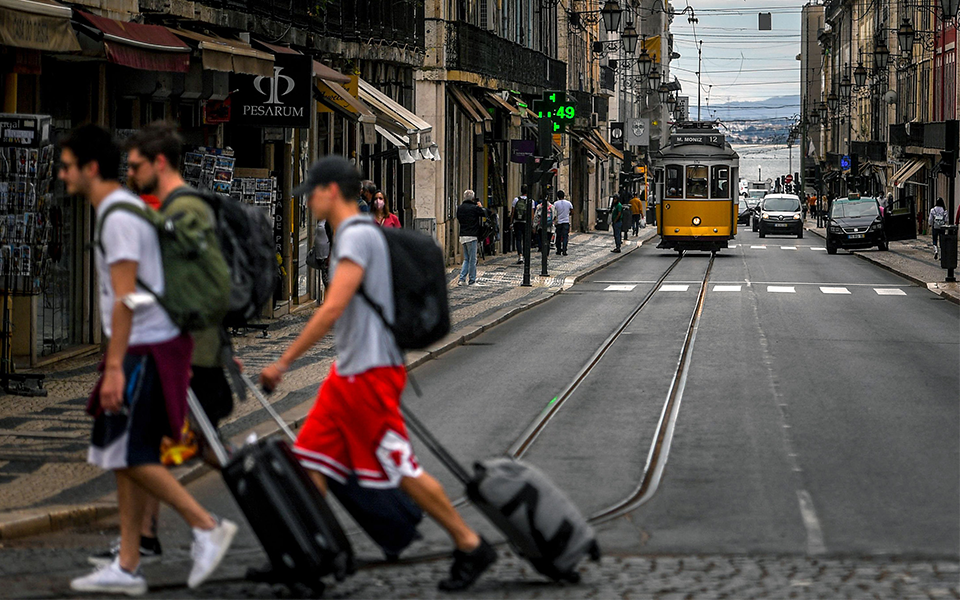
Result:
<point x="674" y="181"/>
<point x="696" y="181"/>
<point x="720" y="182"/>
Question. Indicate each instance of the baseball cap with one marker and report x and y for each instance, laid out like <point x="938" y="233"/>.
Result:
<point x="331" y="169"/>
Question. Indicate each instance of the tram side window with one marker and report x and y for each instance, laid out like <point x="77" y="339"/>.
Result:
<point x="720" y="182"/>
<point x="674" y="181"/>
<point x="696" y="181"/>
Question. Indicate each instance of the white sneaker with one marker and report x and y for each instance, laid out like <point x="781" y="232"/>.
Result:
<point x="208" y="549"/>
<point x="111" y="579"/>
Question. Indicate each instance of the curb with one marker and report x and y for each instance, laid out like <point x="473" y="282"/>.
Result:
<point x="31" y="522"/>
<point x="925" y="284"/>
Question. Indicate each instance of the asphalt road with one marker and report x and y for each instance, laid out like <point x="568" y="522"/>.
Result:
<point x="819" y="422"/>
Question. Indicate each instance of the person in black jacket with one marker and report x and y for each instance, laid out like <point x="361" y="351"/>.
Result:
<point x="469" y="214"/>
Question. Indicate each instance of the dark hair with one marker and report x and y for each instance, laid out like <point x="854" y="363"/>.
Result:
<point x="524" y="190"/>
<point x="339" y="170"/>
<point x="560" y="195"/>
<point x="91" y="143"/>
<point x="370" y="188"/>
<point x="159" y="137"/>
<point x="940" y="203"/>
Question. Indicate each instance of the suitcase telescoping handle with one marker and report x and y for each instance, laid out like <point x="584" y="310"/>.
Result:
<point x="206" y="428"/>
<point x="414" y="424"/>
<point x="269" y="408"/>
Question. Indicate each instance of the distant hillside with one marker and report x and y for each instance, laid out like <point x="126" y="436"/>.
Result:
<point x="771" y="108"/>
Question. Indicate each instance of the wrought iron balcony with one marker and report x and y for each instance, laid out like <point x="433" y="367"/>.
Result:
<point x="474" y="50"/>
<point x="872" y="150"/>
<point x="900" y="137"/>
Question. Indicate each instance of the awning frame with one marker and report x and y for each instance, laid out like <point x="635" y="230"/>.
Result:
<point x="907" y="171"/>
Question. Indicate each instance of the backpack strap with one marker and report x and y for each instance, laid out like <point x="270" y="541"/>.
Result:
<point x="136" y="210"/>
<point x="363" y="293"/>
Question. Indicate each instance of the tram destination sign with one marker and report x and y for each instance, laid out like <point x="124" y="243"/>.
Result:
<point x="710" y="139"/>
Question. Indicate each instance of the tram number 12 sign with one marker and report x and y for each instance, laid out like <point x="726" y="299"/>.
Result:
<point x="555" y="106"/>
<point x="709" y="139"/>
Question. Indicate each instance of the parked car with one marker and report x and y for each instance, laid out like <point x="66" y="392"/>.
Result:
<point x="754" y="197"/>
<point x="855" y="222"/>
<point x="781" y="214"/>
<point x="744" y="212"/>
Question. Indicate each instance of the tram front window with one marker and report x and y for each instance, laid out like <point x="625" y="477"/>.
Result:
<point x="696" y="182"/>
<point x="720" y="183"/>
<point x="674" y="181"/>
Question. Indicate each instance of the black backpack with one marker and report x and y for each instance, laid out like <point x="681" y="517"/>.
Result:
<point x="421" y="309"/>
<point x="246" y="241"/>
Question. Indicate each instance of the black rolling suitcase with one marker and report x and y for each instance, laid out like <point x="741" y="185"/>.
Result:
<point x="538" y="519"/>
<point x="290" y="517"/>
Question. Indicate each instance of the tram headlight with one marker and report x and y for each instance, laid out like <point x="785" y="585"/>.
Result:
<point x="696" y="221"/>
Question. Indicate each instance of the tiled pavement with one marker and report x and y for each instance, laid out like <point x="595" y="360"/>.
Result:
<point x="43" y="440"/>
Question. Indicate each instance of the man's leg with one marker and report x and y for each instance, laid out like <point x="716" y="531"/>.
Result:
<point x="430" y="496"/>
<point x="466" y="263"/>
<point x="471" y="257"/>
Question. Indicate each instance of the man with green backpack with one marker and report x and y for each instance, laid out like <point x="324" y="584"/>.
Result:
<point x="143" y="257"/>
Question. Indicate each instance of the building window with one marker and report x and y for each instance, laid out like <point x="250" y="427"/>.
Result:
<point x="674" y="181"/>
<point x="696" y="181"/>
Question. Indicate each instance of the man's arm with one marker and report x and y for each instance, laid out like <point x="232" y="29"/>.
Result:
<point x="345" y="283"/>
<point x="123" y="278"/>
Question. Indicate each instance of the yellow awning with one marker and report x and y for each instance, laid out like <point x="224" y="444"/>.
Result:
<point x="37" y="25"/>
<point x="230" y="56"/>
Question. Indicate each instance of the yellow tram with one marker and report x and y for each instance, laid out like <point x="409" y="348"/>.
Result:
<point x="698" y="177"/>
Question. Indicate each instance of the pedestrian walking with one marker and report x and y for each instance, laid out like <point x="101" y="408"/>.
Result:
<point x="519" y="213"/>
<point x="141" y="395"/>
<point x="616" y="215"/>
<point x="626" y="217"/>
<point x="537" y="216"/>
<point x="562" y="207"/>
<point x="636" y="213"/>
<point x="355" y="427"/>
<point x="937" y="220"/>
<point x="367" y="191"/>
<point x="470" y="216"/>
<point x="382" y="213"/>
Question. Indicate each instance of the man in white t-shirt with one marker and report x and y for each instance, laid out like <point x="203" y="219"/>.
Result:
<point x="355" y="427"/>
<point x="141" y="395"/>
<point x="563" y="208"/>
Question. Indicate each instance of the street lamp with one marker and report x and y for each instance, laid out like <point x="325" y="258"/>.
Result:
<point x="906" y="35"/>
<point x="629" y="37"/>
<point x="611" y="13"/>
<point x="823" y="112"/>
<point x="671" y="102"/>
<point x="845" y="88"/>
<point x="654" y="78"/>
<point x="644" y="62"/>
<point x="881" y="55"/>
<point x="949" y="8"/>
<point x="664" y="92"/>
<point x="814" y="116"/>
<point x="860" y="74"/>
<point x="833" y="102"/>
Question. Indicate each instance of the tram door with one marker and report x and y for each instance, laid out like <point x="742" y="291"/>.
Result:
<point x="900" y="221"/>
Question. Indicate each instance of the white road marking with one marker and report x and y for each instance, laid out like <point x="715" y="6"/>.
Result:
<point x="674" y="288"/>
<point x="619" y="288"/>
<point x="818" y="248"/>
<point x="889" y="292"/>
<point x="834" y="290"/>
<point x="788" y="247"/>
<point x="781" y="289"/>
<point x="727" y="288"/>
<point x="759" y="247"/>
<point x="732" y="246"/>
<point x="815" y="543"/>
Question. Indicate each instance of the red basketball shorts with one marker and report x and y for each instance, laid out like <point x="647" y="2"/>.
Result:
<point x="355" y="427"/>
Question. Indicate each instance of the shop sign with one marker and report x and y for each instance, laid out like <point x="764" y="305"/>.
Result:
<point x="329" y="95"/>
<point x="283" y="100"/>
<point x="616" y="134"/>
<point x="216" y="112"/>
<point x="521" y="151"/>
<point x="638" y="132"/>
<point x="24" y="131"/>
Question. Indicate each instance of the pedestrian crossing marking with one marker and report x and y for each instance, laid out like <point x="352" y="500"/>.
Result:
<point x="834" y="290"/>
<point x="889" y="292"/>
<point x="674" y="288"/>
<point x="619" y="288"/>
<point x="781" y="289"/>
<point x="758" y="247"/>
<point x="727" y="288"/>
<point x="818" y="248"/>
<point x="732" y="246"/>
<point x="788" y="247"/>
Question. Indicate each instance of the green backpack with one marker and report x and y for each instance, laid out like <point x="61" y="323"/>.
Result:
<point x="196" y="278"/>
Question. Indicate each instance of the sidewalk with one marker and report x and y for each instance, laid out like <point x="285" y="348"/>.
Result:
<point x="45" y="483"/>
<point x="912" y="259"/>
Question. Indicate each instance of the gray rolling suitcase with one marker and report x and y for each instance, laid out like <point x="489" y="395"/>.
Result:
<point x="538" y="519"/>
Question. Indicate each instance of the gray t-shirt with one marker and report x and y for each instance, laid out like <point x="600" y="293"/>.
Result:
<point x="363" y="342"/>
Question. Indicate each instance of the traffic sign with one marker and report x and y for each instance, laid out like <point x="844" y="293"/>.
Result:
<point x="788" y="179"/>
<point x="555" y="107"/>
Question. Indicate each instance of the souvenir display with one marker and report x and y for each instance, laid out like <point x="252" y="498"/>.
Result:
<point x="210" y="169"/>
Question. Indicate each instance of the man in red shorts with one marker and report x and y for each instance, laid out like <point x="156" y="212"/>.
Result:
<point x="355" y="426"/>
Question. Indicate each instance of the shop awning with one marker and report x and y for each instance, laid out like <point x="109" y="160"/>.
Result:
<point x="409" y="154"/>
<point x="498" y="102"/>
<point x="37" y="25"/>
<point x="597" y="137"/>
<point x="590" y="145"/>
<point x="907" y="171"/>
<point x="471" y="106"/>
<point x="230" y="56"/>
<point x="355" y="110"/>
<point x="147" y="47"/>
<point x="391" y="115"/>
<point x="326" y="73"/>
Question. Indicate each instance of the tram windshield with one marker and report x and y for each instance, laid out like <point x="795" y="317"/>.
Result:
<point x="674" y="181"/>
<point x="696" y="181"/>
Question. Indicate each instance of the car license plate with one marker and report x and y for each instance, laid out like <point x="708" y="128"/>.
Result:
<point x="855" y="236"/>
<point x="779" y="224"/>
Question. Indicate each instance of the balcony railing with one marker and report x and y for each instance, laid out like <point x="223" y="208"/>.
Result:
<point x="900" y="137"/>
<point x="474" y="50"/>
<point x="876" y="151"/>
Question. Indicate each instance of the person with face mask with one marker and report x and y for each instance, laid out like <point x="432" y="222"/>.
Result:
<point x="382" y="214"/>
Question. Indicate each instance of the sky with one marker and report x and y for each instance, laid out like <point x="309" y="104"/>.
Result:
<point x="740" y="63"/>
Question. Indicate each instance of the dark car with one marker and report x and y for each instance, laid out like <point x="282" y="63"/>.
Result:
<point x="855" y="222"/>
<point x="780" y="214"/>
<point x="744" y="212"/>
